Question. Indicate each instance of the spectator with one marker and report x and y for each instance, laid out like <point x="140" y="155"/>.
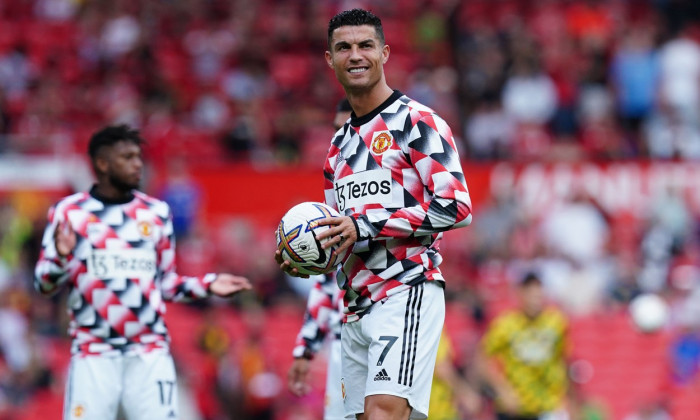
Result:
<point x="183" y="194"/>
<point x="16" y="72"/>
<point x="679" y="78"/>
<point x="529" y="94"/>
<point x="634" y="78"/>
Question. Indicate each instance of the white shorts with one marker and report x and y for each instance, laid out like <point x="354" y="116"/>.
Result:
<point x="144" y="385"/>
<point x="334" y="409"/>
<point x="392" y="349"/>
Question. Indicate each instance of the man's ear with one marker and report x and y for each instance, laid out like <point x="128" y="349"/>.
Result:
<point x="385" y="53"/>
<point x="101" y="164"/>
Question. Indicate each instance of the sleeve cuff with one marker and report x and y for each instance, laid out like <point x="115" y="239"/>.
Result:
<point x="208" y="280"/>
<point x="361" y="226"/>
<point x="62" y="261"/>
<point x="303" y="352"/>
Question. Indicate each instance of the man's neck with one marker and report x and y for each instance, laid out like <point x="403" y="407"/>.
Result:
<point x="110" y="193"/>
<point x="365" y="102"/>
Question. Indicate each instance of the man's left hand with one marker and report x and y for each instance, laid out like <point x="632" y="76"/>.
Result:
<point x="226" y="285"/>
<point x="342" y="230"/>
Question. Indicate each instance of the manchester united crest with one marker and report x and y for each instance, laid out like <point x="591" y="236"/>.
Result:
<point x="381" y="142"/>
<point x="78" y="411"/>
<point x="145" y="229"/>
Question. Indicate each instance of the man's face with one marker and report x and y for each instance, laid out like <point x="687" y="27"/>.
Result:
<point x="533" y="299"/>
<point x="124" y="164"/>
<point x="357" y="56"/>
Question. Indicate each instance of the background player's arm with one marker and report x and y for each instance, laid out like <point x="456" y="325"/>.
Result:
<point x="495" y="343"/>
<point x="55" y="265"/>
<point x="310" y="337"/>
<point x="466" y="396"/>
<point x="315" y="327"/>
<point x="184" y="288"/>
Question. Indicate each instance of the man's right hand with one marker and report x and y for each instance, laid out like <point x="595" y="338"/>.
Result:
<point x="64" y="238"/>
<point x="297" y="377"/>
<point x="286" y="267"/>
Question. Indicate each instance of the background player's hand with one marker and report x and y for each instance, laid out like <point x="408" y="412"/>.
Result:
<point x="227" y="284"/>
<point x="509" y="401"/>
<point x="297" y="377"/>
<point x="342" y="230"/>
<point x="469" y="401"/>
<point x="286" y="267"/>
<point x="64" y="238"/>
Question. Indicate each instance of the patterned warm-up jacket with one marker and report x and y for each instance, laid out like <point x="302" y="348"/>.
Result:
<point x="397" y="172"/>
<point x="120" y="273"/>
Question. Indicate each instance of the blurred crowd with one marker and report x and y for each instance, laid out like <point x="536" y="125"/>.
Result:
<point x="240" y="82"/>
<point x="516" y="79"/>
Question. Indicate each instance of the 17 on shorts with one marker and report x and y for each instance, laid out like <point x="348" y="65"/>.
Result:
<point x="144" y="385"/>
<point x="392" y="349"/>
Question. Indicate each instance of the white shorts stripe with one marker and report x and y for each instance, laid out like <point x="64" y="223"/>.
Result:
<point x="410" y="335"/>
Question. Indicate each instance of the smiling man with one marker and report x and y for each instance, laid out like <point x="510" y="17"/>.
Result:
<point x="394" y="174"/>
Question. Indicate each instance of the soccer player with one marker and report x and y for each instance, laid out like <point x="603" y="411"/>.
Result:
<point x="523" y="357"/>
<point x="394" y="174"/>
<point x="113" y="247"/>
<point x="451" y="394"/>
<point x="322" y="319"/>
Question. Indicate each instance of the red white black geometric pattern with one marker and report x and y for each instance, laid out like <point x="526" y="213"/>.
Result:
<point x="323" y="317"/>
<point x="398" y="172"/>
<point x="119" y="274"/>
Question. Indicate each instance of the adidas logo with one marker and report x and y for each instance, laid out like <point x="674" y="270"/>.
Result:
<point x="382" y="376"/>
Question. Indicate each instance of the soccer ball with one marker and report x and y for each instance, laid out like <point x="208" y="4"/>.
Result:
<point x="649" y="312"/>
<point x="296" y="239"/>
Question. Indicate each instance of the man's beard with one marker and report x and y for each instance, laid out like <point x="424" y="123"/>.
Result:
<point x="122" y="185"/>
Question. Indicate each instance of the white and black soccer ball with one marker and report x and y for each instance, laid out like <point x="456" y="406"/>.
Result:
<point x="296" y="239"/>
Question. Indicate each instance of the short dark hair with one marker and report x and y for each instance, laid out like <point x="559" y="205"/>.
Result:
<point x="110" y="135"/>
<point x="355" y="17"/>
<point x="530" y="279"/>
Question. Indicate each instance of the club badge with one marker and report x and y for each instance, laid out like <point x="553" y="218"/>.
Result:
<point x="145" y="229"/>
<point x="381" y="142"/>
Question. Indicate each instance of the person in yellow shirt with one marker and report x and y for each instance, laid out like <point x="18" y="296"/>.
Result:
<point x="523" y="358"/>
<point x="451" y="395"/>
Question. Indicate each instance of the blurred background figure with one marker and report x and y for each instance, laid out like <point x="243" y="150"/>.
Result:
<point x="524" y="358"/>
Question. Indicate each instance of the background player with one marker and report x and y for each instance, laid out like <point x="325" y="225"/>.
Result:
<point x="394" y="173"/>
<point x="114" y="248"/>
<point x="451" y="395"/>
<point x="322" y="318"/>
<point x="523" y="358"/>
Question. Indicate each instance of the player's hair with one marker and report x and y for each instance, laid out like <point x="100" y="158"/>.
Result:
<point x="110" y="135"/>
<point x="343" y="106"/>
<point x="355" y="17"/>
<point x="530" y="279"/>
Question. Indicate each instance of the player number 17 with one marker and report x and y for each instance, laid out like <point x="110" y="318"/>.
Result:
<point x="166" y="392"/>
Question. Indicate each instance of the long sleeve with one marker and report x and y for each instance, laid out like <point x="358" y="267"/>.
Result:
<point x="174" y="286"/>
<point x="321" y="318"/>
<point x="397" y="172"/>
<point x="432" y="152"/>
<point x="52" y="272"/>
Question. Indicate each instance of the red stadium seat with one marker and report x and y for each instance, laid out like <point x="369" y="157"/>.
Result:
<point x="9" y="36"/>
